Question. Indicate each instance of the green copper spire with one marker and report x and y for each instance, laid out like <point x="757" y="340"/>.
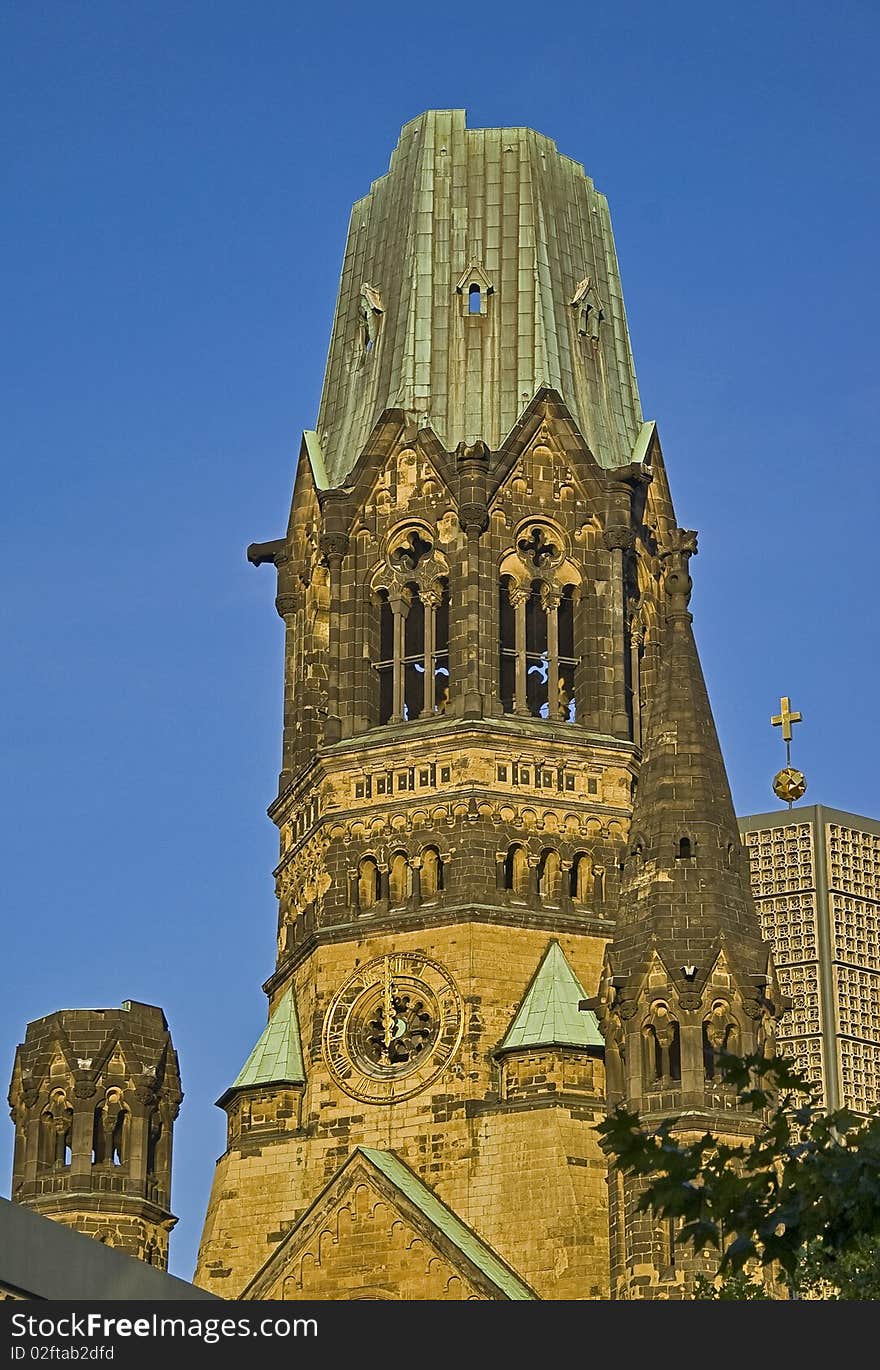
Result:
<point x="549" y="1013"/>
<point x="480" y="268"/>
<point x="277" y="1058"/>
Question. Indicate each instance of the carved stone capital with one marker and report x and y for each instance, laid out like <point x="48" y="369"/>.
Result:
<point x="551" y="596"/>
<point x="675" y="558"/>
<point x="286" y="605"/>
<point x="333" y="545"/>
<point x="473" y="451"/>
<point x="474" y="518"/>
<point x="619" y="538"/>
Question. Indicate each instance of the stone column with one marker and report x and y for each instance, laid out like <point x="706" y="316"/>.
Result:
<point x="334" y="547"/>
<point x="636" y="638"/>
<point x="473" y="700"/>
<point x="27" y="1173"/>
<point x="430" y="599"/>
<point x="400" y="609"/>
<point x="519" y="598"/>
<point x="81" y="1135"/>
<point x="550" y="598"/>
<point x="139" y="1133"/>
<point x="286" y="604"/>
<point x="472" y="467"/>
<point x="693" y="1074"/>
<point x="618" y="539"/>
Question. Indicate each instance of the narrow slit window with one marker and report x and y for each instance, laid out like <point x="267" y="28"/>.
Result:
<point x="475" y="299"/>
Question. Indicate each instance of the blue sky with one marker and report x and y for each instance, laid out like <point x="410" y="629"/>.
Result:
<point x="178" y="178"/>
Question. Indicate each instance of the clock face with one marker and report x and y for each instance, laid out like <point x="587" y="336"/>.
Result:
<point x="392" y="1028"/>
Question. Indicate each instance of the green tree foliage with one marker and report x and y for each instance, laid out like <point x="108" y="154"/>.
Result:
<point x="802" y="1196"/>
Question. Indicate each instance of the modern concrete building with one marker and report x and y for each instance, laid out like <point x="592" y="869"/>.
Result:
<point x="816" y="883"/>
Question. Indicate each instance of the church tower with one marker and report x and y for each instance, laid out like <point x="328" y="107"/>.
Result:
<point x="94" y="1096"/>
<point x="471" y="585"/>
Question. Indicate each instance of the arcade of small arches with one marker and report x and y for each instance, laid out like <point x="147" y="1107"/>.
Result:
<point x="401" y="880"/>
<point x="110" y="1133"/>
<point x="520" y="874"/>
<point x="548" y="877"/>
<point x="661" y="1042"/>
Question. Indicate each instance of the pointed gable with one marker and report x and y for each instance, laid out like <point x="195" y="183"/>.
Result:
<point x="376" y="1231"/>
<point x="549" y="1014"/>
<point x="277" y="1057"/>
<point x="547" y="424"/>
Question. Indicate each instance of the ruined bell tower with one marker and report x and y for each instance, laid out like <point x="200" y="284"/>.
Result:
<point x="472" y="587"/>
<point x="94" y="1097"/>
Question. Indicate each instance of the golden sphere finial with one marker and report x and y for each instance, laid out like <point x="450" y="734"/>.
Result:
<point x="789" y="784"/>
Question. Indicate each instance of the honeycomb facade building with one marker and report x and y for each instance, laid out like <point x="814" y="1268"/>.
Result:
<point x="484" y="594"/>
<point x="815" y="877"/>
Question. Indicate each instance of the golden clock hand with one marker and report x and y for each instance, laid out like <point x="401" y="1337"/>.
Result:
<point x="388" y="1007"/>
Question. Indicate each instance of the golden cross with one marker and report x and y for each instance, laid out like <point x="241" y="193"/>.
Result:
<point x="785" y="718"/>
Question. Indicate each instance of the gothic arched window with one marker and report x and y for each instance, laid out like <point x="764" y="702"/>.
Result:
<point x="581" y="887"/>
<point x="56" y="1124"/>
<point x="111" y="1128"/>
<point x="516" y="871"/>
<point x="413" y="665"/>
<point x="662" y="1042"/>
<point x="157" y="1147"/>
<point x="367" y="883"/>
<point x="399" y="879"/>
<point x="720" y="1033"/>
<point x="432" y="873"/>
<point x="538" y="664"/>
<point x="565" y="692"/>
<point x="550" y="876"/>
